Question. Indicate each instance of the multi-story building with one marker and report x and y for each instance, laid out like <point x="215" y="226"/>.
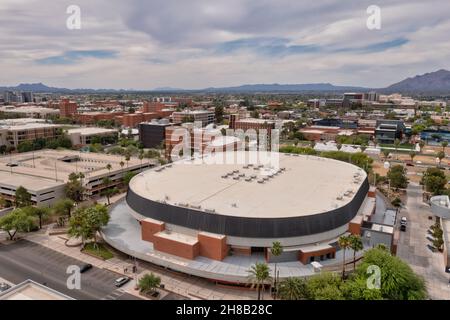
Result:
<point x="29" y="111"/>
<point x="67" y="108"/>
<point x="85" y="136"/>
<point x="387" y="131"/>
<point x="206" y="117"/>
<point x="14" y="135"/>
<point x="153" y="134"/>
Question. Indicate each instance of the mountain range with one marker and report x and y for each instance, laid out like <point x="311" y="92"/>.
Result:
<point x="430" y="83"/>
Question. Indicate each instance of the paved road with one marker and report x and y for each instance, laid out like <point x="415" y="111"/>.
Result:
<point x="27" y="260"/>
<point x="413" y="245"/>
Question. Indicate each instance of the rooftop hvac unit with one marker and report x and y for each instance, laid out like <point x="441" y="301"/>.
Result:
<point x="261" y="181"/>
<point x="196" y="207"/>
<point x="234" y="205"/>
<point x="235" y="171"/>
<point x="242" y="175"/>
<point x="225" y="176"/>
<point x="236" y="178"/>
<point x="248" y="179"/>
<point x="210" y="210"/>
<point x="253" y="176"/>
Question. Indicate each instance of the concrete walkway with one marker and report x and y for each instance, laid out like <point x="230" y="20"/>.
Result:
<point x="413" y="245"/>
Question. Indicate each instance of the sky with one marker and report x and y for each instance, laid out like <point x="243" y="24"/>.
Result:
<point x="193" y="44"/>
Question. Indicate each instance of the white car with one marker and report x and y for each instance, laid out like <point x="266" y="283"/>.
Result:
<point x="403" y="221"/>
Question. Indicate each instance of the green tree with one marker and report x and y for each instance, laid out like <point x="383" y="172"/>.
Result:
<point x="325" y="286"/>
<point x="412" y="155"/>
<point x="148" y="283"/>
<point x="259" y="275"/>
<point x="344" y="244"/>
<point x="40" y="213"/>
<point x="397" y="176"/>
<point x="219" y="111"/>
<point x="16" y="221"/>
<point x="356" y="245"/>
<point x="127" y="177"/>
<point x="293" y="288"/>
<point x="434" y="180"/>
<point x="22" y="197"/>
<point x="385" y="154"/>
<point x="63" y="207"/>
<point x="398" y="281"/>
<point x="74" y="189"/>
<point x="276" y="250"/>
<point x="86" y="222"/>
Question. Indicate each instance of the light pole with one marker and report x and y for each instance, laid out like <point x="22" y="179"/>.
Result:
<point x="387" y="165"/>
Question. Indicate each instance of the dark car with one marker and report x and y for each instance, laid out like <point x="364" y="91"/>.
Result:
<point x="4" y="287"/>
<point x="121" y="281"/>
<point x="85" y="267"/>
<point x="403" y="228"/>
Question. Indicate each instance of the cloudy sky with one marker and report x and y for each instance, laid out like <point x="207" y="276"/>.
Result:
<point x="145" y="44"/>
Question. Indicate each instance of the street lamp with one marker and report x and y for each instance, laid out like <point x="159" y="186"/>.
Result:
<point x="387" y="165"/>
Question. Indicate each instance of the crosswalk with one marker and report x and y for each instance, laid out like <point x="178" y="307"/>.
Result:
<point x="116" y="294"/>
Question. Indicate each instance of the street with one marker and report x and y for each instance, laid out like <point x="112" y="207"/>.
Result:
<point x="24" y="260"/>
<point x="413" y="243"/>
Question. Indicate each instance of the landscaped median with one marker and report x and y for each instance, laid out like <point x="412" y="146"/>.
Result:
<point x="98" y="250"/>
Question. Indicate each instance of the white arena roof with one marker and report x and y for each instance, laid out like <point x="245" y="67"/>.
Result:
<point x="308" y="185"/>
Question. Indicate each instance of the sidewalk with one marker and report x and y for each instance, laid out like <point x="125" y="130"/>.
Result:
<point x="184" y="285"/>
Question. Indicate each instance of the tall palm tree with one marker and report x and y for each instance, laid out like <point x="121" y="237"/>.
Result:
<point x="344" y="243"/>
<point x="444" y="144"/>
<point x="421" y="145"/>
<point x="109" y="167"/>
<point x="356" y="245"/>
<point x="276" y="250"/>
<point x="141" y="157"/>
<point x="107" y="192"/>
<point x="396" y="145"/>
<point x="259" y="274"/>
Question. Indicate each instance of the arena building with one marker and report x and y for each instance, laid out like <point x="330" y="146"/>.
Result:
<point x="200" y="212"/>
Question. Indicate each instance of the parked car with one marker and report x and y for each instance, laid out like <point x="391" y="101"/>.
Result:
<point x="403" y="221"/>
<point x="4" y="287"/>
<point x="85" y="267"/>
<point x="403" y="228"/>
<point x="121" y="281"/>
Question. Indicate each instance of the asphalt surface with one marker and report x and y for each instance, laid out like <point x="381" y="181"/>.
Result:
<point x="27" y="260"/>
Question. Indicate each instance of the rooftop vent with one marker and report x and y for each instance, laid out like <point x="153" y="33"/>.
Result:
<point x="210" y="210"/>
<point x="234" y="205"/>
<point x="261" y="181"/>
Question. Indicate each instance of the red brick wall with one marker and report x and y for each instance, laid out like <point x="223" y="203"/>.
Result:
<point x="303" y="257"/>
<point x="176" y="248"/>
<point x="149" y="228"/>
<point x="213" y="247"/>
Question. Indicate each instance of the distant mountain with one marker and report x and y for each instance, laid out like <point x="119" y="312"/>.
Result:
<point x="428" y="83"/>
<point x="311" y="87"/>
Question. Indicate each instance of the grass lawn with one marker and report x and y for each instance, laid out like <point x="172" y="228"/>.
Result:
<point x="100" y="251"/>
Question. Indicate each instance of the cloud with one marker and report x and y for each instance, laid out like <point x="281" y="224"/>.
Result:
<point x="71" y="57"/>
<point x="202" y="43"/>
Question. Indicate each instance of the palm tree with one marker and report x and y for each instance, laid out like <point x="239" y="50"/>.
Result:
<point x="356" y="245"/>
<point x="259" y="274"/>
<point x="107" y="191"/>
<point x="276" y="250"/>
<point x="293" y="288"/>
<point x="344" y="243"/>
<point x="121" y="166"/>
<point x="396" y="145"/>
<point x="421" y="145"/>
<point x="440" y="155"/>
<point x="444" y="144"/>
<point x="127" y="157"/>
<point x="148" y="283"/>
<point x="385" y="154"/>
<point x="109" y="167"/>
<point x="141" y="157"/>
